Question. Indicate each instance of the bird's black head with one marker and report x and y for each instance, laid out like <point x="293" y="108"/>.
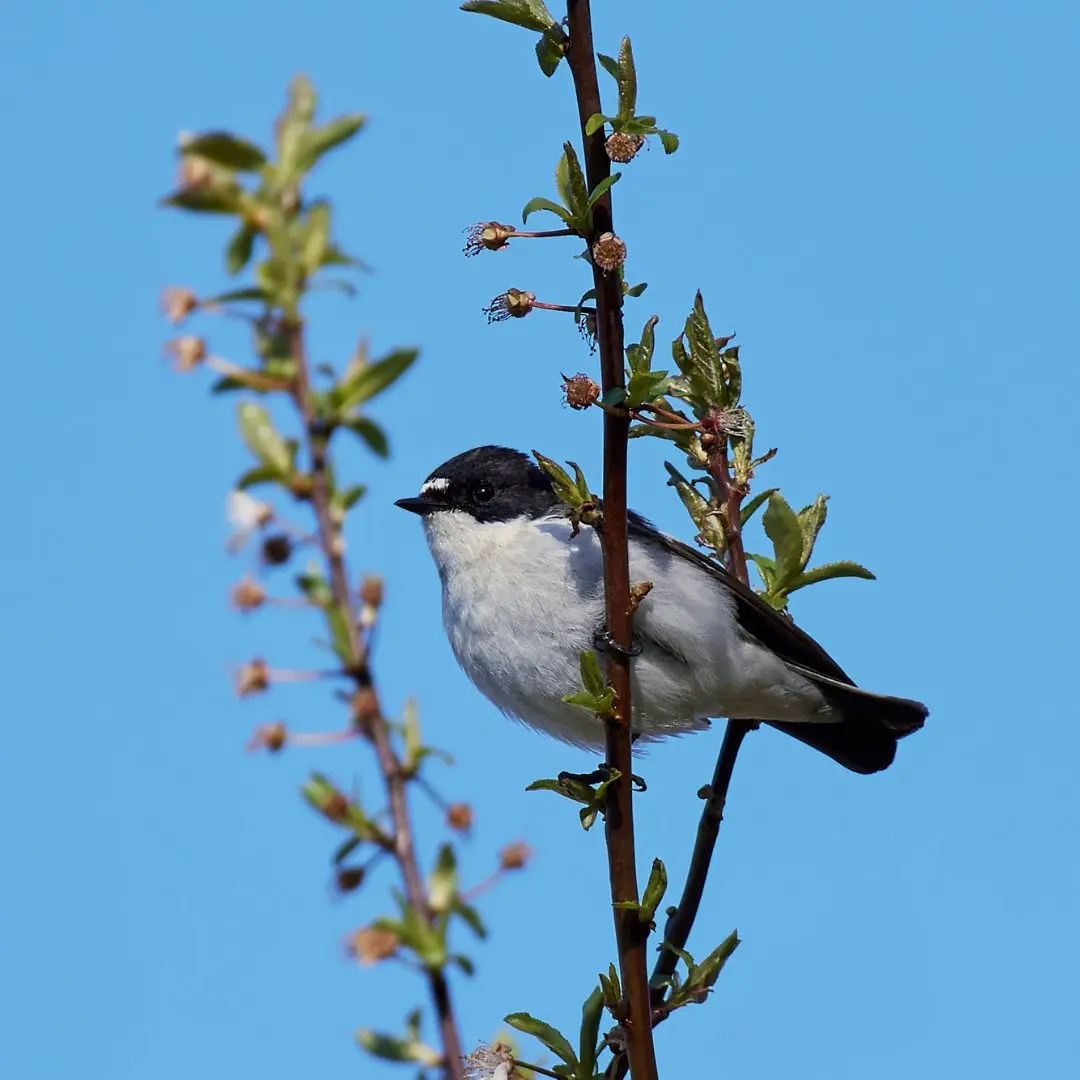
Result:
<point x="491" y="483"/>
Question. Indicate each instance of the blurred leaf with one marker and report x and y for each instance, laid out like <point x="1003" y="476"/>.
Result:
<point x="371" y="379"/>
<point x="471" y="917"/>
<point x="261" y="474"/>
<point x="842" y="568"/>
<point x="224" y="148"/>
<point x="371" y="433"/>
<point x="391" y="1048"/>
<point x="262" y="439"/>
<point x="626" y="77"/>
<point x="782" y="528"/>
<point x="345" y="849"/>
<point x="318" y="141"/>
<point x="317" y="237"/>
<point x="464" y="963"/>
<point x="551" y="1037"/>
<point x="550" y="48"/>
<point x="345" y="498"/>
<point x="540" y="203"/>
<point x="532" y="14"/>
<point x="234" y="295"/>
<point x="339" y="632"/>
<point x="669" y="140"/>
<point x="238" y="250"/>
<point x="442" y="883"/>
<point x="206" y="200"/>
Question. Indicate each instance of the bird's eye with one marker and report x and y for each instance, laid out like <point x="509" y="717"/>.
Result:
<point x="483" y="492"/>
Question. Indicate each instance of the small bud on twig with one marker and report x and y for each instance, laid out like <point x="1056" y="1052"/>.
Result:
<point x="178" y="303"/>
<point x="364" y="707"/>
<point x="277" y="550"/>
<point x="512" y="304"/>
<point x="371" y="944"/>
<point x="459" y="817"/>
<point x="190" y="352"/>
<point x="580" y="391"/>
<point x="349" y="878"/>
<point x="609" y="252"/>
<point x="515" y="856"/>
<point x="253" y="678"/>
<point x="638" y="592"/>
<point x="487" y="236"/>
<point x="271" y="737"/>
<point x="248" y="594"/>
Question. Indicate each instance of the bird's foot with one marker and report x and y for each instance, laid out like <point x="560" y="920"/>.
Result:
<point x="604" y="642"/>
<point x="601" y="773"/>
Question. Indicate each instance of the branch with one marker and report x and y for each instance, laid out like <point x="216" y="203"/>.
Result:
<point x="375" y="726"/>
<point x="631" y="935"/>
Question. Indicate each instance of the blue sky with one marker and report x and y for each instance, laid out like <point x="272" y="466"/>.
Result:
<point x="879" y="199"/>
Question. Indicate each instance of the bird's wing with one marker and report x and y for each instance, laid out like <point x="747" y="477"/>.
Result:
<point x="758" y="620"/>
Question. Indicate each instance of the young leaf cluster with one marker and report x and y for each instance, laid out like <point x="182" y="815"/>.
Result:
<point x="626" y="121"/>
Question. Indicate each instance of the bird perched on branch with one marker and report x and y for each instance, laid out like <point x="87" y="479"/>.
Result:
<point x="523" y="595"/>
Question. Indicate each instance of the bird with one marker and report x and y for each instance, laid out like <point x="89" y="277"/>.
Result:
<point x="523" y="596"/>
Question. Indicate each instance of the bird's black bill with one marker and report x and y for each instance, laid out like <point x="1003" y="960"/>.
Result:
<point x="417" y="505"/>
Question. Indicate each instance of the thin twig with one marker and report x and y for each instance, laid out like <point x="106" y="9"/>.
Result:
<point x="631" y="935"/>
<point x="377" y="729"/>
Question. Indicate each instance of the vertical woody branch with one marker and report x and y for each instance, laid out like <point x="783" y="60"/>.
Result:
<point x="631" y="935"/>
<point x="375" y="726"/>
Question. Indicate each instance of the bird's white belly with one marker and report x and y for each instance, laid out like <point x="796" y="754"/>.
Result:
<point x="522" y="599"/>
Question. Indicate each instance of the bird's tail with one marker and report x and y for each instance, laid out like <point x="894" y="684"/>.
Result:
<point x="864" y="740"/>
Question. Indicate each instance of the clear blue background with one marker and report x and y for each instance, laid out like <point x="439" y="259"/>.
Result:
<point x="880" y="199"/>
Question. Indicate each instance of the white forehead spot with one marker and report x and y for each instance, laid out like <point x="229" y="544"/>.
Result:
<point x="438" y="484"/>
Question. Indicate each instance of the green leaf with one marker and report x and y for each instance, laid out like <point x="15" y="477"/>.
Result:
<point x="551" y="1037"/>
<point x="262" y="439"/>
<point x="318" y="141"/>
<point x="573" y="189"/>
<point x="706" y="373"/>
<point x="374" y="378"/>
<point x="317" y="237"/>
<point x="206" y="200"/>
<point x="238" y="250"/>
<point x="261" y="474"/>
<point x="811" y="519"/>
<point x="750" y="508"/>
<point x="235" y="295"/>
<point x="540" y="203"/>
<point x="595" y="123"/>
<point x="782" y="528"/>
<point x="627" y="80"/>
<point x="609" y="64"/>
<point x="338" y="622"/>
<point x="591" y="678"/>
<point x="701" y="513"/>
<point x="614" y="397"/>
<point x="471" y="917"/>
<point x="640" y="355"/>
<point x="531" y="14"/>
<point x="345" y="498"/>
<point x="826" y="571"/>
<point x="707" y="972"/>
<point x="550" y="48"/>
<point x="370" y="433"/>
<point x="464" y="963"/>
<point x="654" y="891"/>
<point x="591" y="1012"/>
<point x="669" y="140"/>
<point x="602" y="188"/>
<point x="572" y="492"/>
<point x="442" y="883"/>
<point x="225" y="149"/>
<point x="646" y="386"/>
<point x="391" y="1048"/>
<point x="345" y="849"/>
<point x="766" y="568"/>
<point x="314" y="586"/>
<point x="635" y="290"/>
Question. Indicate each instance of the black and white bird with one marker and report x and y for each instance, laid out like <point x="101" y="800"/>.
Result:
<point x="522" y="597"/>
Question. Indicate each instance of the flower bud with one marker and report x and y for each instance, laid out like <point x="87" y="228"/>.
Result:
<point x="515" y="856"/>
<point x="459" y="817"/>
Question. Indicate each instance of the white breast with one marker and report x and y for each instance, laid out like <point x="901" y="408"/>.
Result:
<point x="522" y="599"/>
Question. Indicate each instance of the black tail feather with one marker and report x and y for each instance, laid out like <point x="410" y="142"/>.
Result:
<point x="865" y="739"/>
